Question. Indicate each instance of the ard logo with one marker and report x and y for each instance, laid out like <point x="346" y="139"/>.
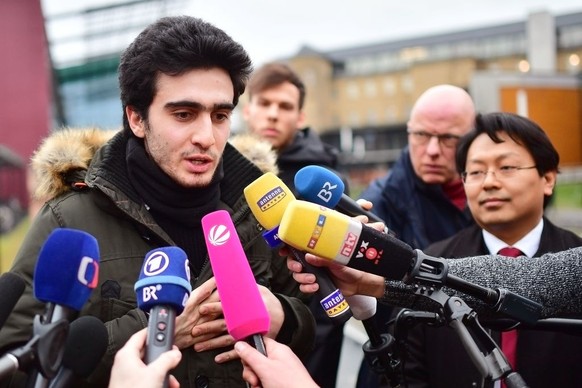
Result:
<point x="156" y="263"/>
<point x="218" y="235"/>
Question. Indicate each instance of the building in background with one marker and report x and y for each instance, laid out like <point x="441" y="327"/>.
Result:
<point x="85" y="45"/>
<point x="25" y="112"/>
<point x="57" y="70"/>
<point x="61" y="75"/>
<point x="360" y="97"/>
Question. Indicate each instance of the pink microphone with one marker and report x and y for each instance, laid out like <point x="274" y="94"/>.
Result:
<point x="244" y="310"/>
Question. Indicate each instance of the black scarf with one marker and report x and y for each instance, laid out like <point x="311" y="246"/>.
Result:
<point x="177" y="209"/>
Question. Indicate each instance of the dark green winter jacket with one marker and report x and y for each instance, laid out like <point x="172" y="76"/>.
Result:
<point x="107" y="208"/>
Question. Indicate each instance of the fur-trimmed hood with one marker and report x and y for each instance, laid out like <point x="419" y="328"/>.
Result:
<point x="257" y="150"/>
<point x="64" y="156"/>
<point x="61" y="156"/>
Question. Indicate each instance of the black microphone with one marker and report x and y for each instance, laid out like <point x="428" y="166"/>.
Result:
<point x="378" y="349"/>
<point x="11" y="289"/>
<point x="162" y="290"/>
<point x="364" y="309"/>
<point x="337" y="237"/>
<point x="86" y="344"/>
<point x="321" y="186"/>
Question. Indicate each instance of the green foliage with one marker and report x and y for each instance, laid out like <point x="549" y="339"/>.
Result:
<point x="10" y="243"/>
<point x="568" y="195"/>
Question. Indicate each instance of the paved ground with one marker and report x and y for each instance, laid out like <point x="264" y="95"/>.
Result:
<point x="352" y="354"/>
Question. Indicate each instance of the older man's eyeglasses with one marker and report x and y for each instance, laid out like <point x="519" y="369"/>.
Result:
<point x="473" y="177"/>
<point x="422" y="138"/>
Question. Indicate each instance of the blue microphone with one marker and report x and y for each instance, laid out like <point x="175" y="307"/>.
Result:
<point x="321" y="186"/>
<point x="162" y="290"/>
<point x="66" y="273"/>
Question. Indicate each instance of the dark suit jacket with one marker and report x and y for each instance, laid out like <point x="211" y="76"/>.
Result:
<point x="436" y="357"/>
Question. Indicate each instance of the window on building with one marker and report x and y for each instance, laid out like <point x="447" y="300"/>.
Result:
<point x="372" y="118"/>
<point x="309" y="76"/>
<point x="352" y="91"/>
<point x="389" y="86"/>
<point x="391" y="114"/>
<point x="370" y="89"/>
<point x="570" y="37"/>
<point x="354" y="119"/>
<point x="407" y="84"/>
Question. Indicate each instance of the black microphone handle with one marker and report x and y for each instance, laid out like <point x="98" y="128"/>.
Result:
<point x="11" y="289"/>
<point x="160" y="334"/>
<point x="372" y="330"/>
<point x="63" y="378"/>
<point x="257" y="342"/>
<point x="378" y="349"/>
<point x="53" y="313"/>
<point x="351" y="208"/>
<point x="326" y="286"/>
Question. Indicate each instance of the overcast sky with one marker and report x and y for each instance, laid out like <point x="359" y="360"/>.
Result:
<point x="271" y="29"/>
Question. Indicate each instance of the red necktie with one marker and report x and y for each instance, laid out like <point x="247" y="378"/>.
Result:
<point x="509" y="338"/>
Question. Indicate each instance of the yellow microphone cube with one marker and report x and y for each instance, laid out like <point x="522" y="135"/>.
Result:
<point x="316" y="229"/>
<point x="268" y="197"/>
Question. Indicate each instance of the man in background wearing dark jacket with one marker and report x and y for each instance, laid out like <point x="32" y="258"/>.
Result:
<point x="421" y="199"/>
<point x="275" y="113"/>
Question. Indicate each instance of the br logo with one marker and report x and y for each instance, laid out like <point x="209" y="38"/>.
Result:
<point x="149" y="292"/>
<point x="326" y="192"/>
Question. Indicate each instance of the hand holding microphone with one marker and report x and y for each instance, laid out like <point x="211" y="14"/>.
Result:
<point x="268" y="198"/>
<point x="162" y="290"/>
<point x="350" y="281"/>
<point x="334" y="236"/>
<point x="337" y="237"/>
<point x="245" y="312"/>
<point x="130" y="371"/>
<point x="280" y="369"/>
